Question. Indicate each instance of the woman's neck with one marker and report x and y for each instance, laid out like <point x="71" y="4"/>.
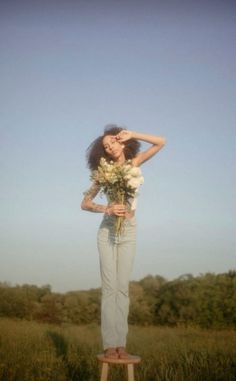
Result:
<point x="121" y="159"/>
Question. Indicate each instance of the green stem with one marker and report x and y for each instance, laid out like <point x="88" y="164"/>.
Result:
<point x="119" y="220"/>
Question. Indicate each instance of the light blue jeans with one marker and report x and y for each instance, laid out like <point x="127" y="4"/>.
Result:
<point x="116" y="255"/>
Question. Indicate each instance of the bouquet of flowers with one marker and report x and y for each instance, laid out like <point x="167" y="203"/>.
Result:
<point x="119" y="182"/>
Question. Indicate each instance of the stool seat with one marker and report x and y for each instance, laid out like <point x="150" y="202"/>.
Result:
<point x="129" y="362"/>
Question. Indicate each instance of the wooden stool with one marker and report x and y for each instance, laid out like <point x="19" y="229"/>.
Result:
<point x="129" y="362"/>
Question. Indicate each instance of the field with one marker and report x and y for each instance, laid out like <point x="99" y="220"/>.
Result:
<point x="38" y="352"/>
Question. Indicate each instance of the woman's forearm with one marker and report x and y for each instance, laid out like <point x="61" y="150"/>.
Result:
<point x="157" y="142"/>
<point x="87" y="202"/>
<point x="91" y="206"/>
<point x="153" y="139"/>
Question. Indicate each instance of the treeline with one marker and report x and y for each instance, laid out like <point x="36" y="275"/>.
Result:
<point x="208" y="301"/>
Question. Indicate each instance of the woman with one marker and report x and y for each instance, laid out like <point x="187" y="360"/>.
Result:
<point x="116" y="252"/>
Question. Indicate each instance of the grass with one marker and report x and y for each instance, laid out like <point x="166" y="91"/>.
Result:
<point x="30" y="351"/>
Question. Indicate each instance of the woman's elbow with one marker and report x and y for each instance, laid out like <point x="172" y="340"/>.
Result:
<point x="163" y="141"/>
<point x="83" y="205"/>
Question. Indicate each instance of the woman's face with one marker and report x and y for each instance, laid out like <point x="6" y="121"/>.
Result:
<point x="113" y="148"/>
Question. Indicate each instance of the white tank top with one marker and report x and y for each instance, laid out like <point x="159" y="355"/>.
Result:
<point x="133" y="202"/>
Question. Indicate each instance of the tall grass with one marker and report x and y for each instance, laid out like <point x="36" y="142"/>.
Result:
<point x="34" y="352"/>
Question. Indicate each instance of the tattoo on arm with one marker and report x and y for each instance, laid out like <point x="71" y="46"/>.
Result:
<point x="88" y="204"/>
<point x="91" y="192"/>
<point x="96" y="208"/>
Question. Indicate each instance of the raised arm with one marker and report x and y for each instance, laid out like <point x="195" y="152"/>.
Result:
<point x="157" y="142"/>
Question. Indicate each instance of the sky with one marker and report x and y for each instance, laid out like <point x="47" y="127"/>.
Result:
<point x="67" y="69"/>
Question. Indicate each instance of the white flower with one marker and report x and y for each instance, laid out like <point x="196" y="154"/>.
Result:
<point x="141" y="179"/>
<point x="127" y="166"/>
<point x="135" y="182"/>
<point x="103" y="161"/>
<point x="135" y="171"/>
<point x="127" y="177"/>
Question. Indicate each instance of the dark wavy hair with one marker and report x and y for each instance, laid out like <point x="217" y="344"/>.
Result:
<point x="96" y="150"/>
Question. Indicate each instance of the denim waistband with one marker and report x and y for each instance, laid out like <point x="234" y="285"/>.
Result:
<point x="111" y="219"/>
<point x="106" y="230"/>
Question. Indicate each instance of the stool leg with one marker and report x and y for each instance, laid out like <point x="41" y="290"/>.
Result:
<point x="104" y="372"/>
<point x="130" y="372"/>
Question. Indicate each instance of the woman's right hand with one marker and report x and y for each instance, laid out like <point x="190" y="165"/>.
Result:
<point x="124" y="135"/>
<point x="118" y="210"/>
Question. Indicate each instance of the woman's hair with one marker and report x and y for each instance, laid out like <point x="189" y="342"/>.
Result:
<point x="96" y="149"/>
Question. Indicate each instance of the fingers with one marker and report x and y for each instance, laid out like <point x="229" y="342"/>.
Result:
<point x="123" y="136"/>
<point x="119" y="214"/>
<point x="119" y="210"/>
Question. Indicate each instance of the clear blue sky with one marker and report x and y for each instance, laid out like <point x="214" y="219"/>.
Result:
<point x="70" y="67"/>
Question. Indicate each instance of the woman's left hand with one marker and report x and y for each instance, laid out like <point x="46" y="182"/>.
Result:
<point x="124" y="135"/>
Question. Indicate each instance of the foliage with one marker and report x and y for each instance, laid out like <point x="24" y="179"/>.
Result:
<point x="208" y="301"/>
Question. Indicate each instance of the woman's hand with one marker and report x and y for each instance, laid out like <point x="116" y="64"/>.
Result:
<point x="118" y="210"/>
<point x="123" y="136"/>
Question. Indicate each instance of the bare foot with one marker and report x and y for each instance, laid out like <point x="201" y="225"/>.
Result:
<point x="121" y="351"/>
<point x="111" y="353"/>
